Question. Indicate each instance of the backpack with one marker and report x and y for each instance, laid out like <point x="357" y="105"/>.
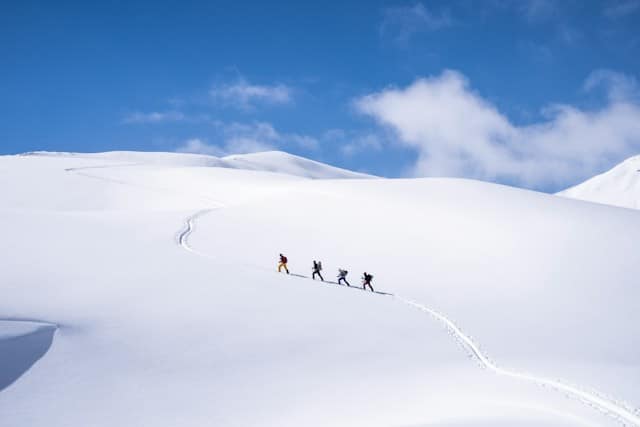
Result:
<point x="283" y="259"/>
<point x="319" y="266"/>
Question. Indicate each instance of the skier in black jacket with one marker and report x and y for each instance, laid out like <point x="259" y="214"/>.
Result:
<point x="317" y="268"/>
<point x="366" y="281"/>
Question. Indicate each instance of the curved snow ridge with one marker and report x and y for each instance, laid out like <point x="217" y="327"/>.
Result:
<point x="595" y="400"/>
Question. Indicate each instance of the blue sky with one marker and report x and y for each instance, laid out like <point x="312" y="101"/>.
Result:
<point x="534" y="93"/>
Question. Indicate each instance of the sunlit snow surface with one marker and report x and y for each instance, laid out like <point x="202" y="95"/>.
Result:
<point x="149" y="333"/>
<point x="619" y="186"/>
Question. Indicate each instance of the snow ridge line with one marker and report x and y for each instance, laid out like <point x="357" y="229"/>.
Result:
<point x="608" y="407"/>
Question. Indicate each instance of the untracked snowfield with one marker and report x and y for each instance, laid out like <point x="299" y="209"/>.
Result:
<point x="139" y="289"/>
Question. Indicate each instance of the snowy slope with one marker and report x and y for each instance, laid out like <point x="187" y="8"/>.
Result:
<point x="270" y="161"/>
<point x="619" y="186"/>
<point x="160" y="279"/>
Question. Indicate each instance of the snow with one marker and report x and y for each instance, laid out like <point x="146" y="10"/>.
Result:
<point x="619" y="186"/>
<point x="277" y="161"/>
<point x="270" y="161"/>
<point x="160" y="276"/>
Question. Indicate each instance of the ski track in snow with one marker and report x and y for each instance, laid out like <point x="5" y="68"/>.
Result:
<point x="189" y="226"/>
<point x="616" y="410"/>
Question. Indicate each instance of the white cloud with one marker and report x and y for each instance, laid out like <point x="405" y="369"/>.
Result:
<point x="240" y="138"/>
<point x="245" y="95"/>
<point x="265" y="134"/>
<point x="402" y="22"/>
<point x="455" y="132"/>
<point x="619" y="87"/>
<point x="154" y="117"/>
<point x="236" y="145"/>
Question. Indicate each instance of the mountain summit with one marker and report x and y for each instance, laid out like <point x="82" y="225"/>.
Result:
<point x="620" y="186"/>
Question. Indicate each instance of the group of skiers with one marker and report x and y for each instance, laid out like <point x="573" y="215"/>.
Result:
<point x="317" y="268"/>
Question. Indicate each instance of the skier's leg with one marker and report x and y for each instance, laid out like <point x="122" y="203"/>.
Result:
<point x="345" y="281"/>
<point x="321" y="278"/>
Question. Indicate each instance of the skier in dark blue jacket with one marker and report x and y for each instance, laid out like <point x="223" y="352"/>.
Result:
<point x="317" y="268"/>
<point x="342" y="277"/>
<point x="366" y="281"/>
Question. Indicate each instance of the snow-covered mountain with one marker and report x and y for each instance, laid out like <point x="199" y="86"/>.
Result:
<point x="140" y="292"/>
<point x="619" y="186"/>
<point x="270" y="161"/>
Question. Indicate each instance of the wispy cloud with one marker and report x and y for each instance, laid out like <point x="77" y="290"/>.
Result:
<point x="173" y="116"/>
<point x="247" y="96"/>
<point x="536" y="52"/>
<point x="154" y="117"/>
<point x="403" y="22"/>
<point x="456" y="132"/>
<point x="536" y="10"/>
<point x="619" y="87"/>
<point x="621" y="8"/>
<point x="232" y="146"/>
<point x="199" y="146"/>
<point x="352" y="142"/>
<point x="239" y="138"/>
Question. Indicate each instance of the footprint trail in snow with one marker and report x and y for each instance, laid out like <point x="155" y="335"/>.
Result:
<point x="608" y="406"/>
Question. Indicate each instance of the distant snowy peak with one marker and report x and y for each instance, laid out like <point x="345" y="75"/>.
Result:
<point x="619" y="186"/>
<point x="270" y="161"/>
